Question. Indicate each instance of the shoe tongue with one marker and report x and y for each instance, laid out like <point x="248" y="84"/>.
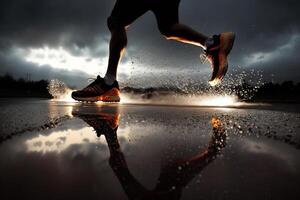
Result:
<point x="99" y="79"/>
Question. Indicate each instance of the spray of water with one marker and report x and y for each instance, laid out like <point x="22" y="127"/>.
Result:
<point x="237" y="86"/>
<point x="59" y="90"/>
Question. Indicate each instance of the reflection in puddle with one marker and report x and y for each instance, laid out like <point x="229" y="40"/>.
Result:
<point x="59" y="141"/>
<point x="173" y="178"/>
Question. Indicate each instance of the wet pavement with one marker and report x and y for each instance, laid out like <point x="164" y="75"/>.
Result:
<point x="58" y="150"/>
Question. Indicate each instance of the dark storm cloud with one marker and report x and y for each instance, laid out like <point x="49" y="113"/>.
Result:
<point x="262" y="27"/>
<point x="55" y="22"/>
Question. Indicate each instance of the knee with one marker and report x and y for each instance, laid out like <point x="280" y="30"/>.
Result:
<point x="114" y="24"/>
<point x="166" y="31"/>
<point x="118" y="32"/>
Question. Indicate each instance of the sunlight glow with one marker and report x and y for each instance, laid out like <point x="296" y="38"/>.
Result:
<point x="62" y="59"/>
<point x="178" y="100"/>
<point x="219" y="101"/>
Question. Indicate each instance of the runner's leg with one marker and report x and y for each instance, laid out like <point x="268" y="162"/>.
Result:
<point x="117" y="46"/>
<point x="217" y="47"/>
<point x="168" y="23"/>
<point x="123" y="14"/>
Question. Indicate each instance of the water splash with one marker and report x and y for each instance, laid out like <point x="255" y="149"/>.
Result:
<point x="239" y="82"/>
<point x="235" y="88"/>
<point x="182" y="100"/>
<point x="60" y="91"/>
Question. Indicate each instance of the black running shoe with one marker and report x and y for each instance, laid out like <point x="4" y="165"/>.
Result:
<point x="98" y="90"/>
<point x="217" y="54"/>
<point x="104" y="120"/>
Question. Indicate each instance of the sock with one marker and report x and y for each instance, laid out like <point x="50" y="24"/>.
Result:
<point x="109" y="79"/>
<point x="210" y="41"/>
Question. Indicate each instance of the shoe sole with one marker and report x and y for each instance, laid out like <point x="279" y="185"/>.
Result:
<point x="227" y="41"/>
<point x="112" y="95"/>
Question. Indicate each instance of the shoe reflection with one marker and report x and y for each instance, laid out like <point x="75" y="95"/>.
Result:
<point x="173" y="178"/>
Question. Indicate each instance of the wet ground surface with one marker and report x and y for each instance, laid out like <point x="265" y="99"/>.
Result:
<point x="57" y="150"/>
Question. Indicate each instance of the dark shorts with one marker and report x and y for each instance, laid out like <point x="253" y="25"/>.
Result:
<point x="126" y="11"/>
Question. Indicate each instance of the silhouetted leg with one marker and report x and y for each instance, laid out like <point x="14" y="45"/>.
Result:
<point x="117" y="46"/>
<point x="178" y="175"/>
<point x="132" y="188"/>
<point x="122" y="15"/>
<point x="166" y="13"/>
<point x="183" y="33"/>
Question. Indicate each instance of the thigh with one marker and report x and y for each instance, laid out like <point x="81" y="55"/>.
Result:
<point x="127" y="11"/>
<point x="166" y="12"/>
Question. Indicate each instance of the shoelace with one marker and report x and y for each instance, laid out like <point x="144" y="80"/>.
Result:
<point x="204" y="57"/>
<point x="89" y="80"/>
<point x="92" y="79"/>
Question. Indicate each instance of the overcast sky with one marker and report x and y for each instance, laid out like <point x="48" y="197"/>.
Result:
<point x="68" y="40"/>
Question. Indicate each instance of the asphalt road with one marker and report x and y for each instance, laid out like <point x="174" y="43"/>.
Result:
<point x="58" y="150"/>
